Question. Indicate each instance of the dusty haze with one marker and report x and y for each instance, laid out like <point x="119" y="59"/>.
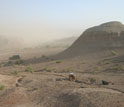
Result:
<point x="38" y="21"/>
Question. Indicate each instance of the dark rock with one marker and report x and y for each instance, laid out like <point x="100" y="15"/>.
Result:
<point x="105" y="82"/>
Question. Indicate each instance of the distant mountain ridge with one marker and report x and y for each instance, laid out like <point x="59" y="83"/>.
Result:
<point x="65" y="42"/>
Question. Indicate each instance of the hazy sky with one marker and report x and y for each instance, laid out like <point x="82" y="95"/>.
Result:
<point x="42" y="20"/>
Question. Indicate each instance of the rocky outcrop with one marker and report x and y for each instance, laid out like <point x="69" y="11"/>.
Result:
<point x="103" y="37"/>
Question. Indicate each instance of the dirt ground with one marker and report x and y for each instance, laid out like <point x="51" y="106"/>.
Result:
<point x="99" y="82"/>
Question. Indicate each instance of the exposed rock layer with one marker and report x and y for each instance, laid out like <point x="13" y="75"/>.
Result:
<point x="106" y="36"/>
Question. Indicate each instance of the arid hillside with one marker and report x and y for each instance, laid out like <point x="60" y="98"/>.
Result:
<point x="103" y="38"/>
<point x="37" y="79"/>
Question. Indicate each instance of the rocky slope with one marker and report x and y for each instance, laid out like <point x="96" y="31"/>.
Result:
<point x="106" y="36"/>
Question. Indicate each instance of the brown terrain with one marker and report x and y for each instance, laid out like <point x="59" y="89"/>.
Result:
<point x="41" y="79"/>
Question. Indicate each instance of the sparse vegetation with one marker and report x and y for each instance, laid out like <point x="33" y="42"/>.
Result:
<point x="19" y="62"/>
<point x="54" y="69"/>
<point x="69" y="69"/>
<point x="29" y="69"/>
<point x="2" y="87"/>
<point x="83" y="63"/>
<point x="13" y="62"/>
<point x="58" y="61"/>
<point x="14" y="57"/>
<point x="119" y="68"/>
<point x="106" y="63"/>
<point x="43" y="56"/>
<point x="34" y="89"/>
<point x="9" y="63"/>
<point x="47" y="69"/>
<point x="15" y="72"/>
<point x="97" y="68"/>
<point x="1" y="65"/>
<point x="114" y="52"/>
<point x="92" y="80"/>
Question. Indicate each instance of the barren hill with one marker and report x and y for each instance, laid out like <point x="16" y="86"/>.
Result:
<point x="106" y="36"/>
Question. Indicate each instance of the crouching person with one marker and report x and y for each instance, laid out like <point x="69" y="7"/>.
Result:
<point x="72" y="77"/>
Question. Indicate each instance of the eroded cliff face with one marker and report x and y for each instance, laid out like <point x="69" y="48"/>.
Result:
<point x="106" y="36"/>
<point x="100" y="39"/>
